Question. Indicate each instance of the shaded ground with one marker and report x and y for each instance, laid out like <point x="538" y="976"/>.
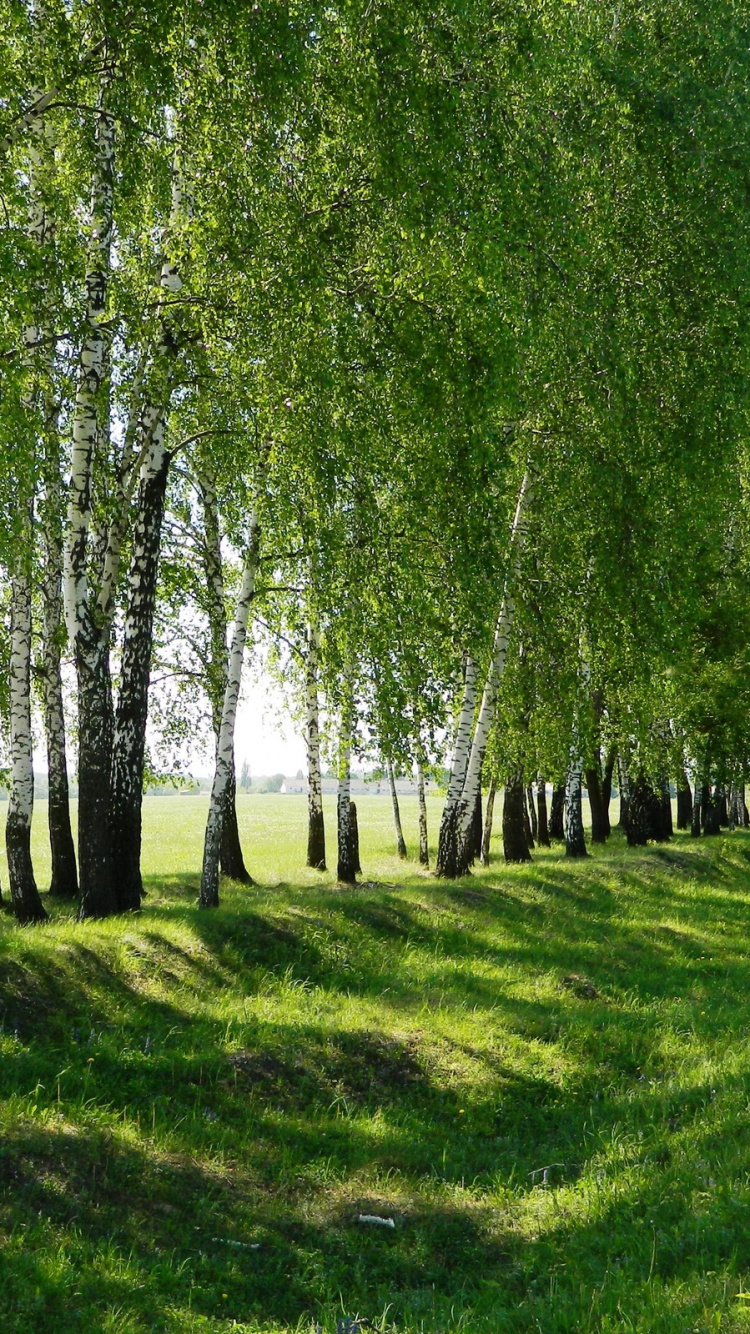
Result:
<point x="541" y="1074"/>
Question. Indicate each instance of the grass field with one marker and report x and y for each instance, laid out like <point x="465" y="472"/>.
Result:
<point x="541" y="1074"/>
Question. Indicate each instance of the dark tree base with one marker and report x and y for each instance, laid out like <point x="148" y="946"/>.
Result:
<point x="24" y="895"/>
<point x="557" y="814"/>
<point x="316" y="840"/>
<point x="515" y="840"/>
<point x="541" y="808"/>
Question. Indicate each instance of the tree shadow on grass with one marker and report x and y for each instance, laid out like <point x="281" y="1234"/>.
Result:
<point x="264" y="1140"/>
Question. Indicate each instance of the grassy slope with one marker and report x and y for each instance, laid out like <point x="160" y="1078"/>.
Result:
<point x="195" y="1108"/>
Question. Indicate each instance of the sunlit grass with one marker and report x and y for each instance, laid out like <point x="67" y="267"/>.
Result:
<point x="542" y="1074"/>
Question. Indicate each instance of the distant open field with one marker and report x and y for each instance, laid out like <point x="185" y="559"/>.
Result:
<point x="273" y="830"/>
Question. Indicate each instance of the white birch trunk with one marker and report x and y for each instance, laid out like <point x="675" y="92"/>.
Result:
<point x="21" y="799"/>
<point x="347" y="853"/>
<point x="575" y="842"/>
<point x="209" y="895"/>
<point x="467" y="801"/>
<point x="85" y="429"/>
<point x="27" y="905"/>
<point x="424" y="852"/>
<point x="446" y="855"/>
<point x="316" y="846"/>
<point x="462" y="748"/>
<point x="400" y="841"/>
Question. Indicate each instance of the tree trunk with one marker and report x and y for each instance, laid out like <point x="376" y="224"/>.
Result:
<point x="466" y="804"/>
<point x="424" y="853"/>
<point x="231" y="860"/>
<point x="489" y="811"/>
<point x="348" y="852"/>
<point x="712" y="824"/>
<point x="64" y="881"/>
<point x="541" y="797"/>
<point x="531" y="809"/>
<point x="557" y="813"/>
<point x="316" y="836"/>
<point x="640" y="815"/>
<point x="89" y="639"/>
<point x="667" y="824"/>
<point x="737" y="805"/>
<point x="721" y="798"/>
<point x="515" y="843"/>
<point x="447" y="848"/>
<point x="27" y="904"/>
<point x="527" y="821"/>
<point x="355" y="836"/>
<point x="209" y="893"/>
<point x="684" y="802"/>
<point x="400" y="843"/>
<point x="137" y="648"/>
<point x="705" y="803"/>
<point x="624" y="786"/>
<point x="696" y="822"/>
<point x="477" y="824"/>
<point x="599" y="815"/>
<point x="575" y="842"/>
<point x="609" y="769"/>
<point x="132" y="701"/>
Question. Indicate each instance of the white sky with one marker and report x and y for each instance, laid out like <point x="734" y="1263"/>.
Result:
<point x="265" y="736"/>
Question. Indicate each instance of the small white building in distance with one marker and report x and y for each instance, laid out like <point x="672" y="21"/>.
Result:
<point x="360" y="787"/>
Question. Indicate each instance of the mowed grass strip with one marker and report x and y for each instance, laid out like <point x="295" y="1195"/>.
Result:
<point x="541" y="1074"/>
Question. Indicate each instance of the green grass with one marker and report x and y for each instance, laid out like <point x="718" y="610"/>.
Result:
<point x="195" y="1108"/>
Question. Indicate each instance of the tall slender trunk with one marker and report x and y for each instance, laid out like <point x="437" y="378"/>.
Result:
<point x="316" y="834"/>
<point x="557" y="813"/>
<point x="696" y="819"/>
<point x="424" y="851"/>
<point x="27" y="904"/>
<point x="354" y="826"/>
<point x="466" y="803"/>
<point x="531" y="808"/>
<point x="475" y="828"/>
<point x="684" y="802"/>
<point x="400" y="842"/>
<point x="515" y="843"/>
<point x="607" y="774"/>
<point x="528" y="832"/>
<point x="599" y="816"/>
<point x="624" y="785"/>
<point x="666" y="822"/>
<point x="712" y="806"/>
<point x="446" y="856"/>
<point x="209" y="892"/>
<point x="575" y="842"/>
<point x="231" y="860"/>
<point x="137" y="648"/>
<point x="489" y="811"/>
<point x="88" y="636"/>
<point x="541" y="799"/>
<point x="348" y="853"/>
<point x="132" y="701"/>
<point x="64" y="880"/>
<point x="737" y="805"/>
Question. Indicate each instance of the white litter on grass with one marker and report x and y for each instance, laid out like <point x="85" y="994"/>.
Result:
<point x="375" y="1218"/>
<point x="239" y="1245"/>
